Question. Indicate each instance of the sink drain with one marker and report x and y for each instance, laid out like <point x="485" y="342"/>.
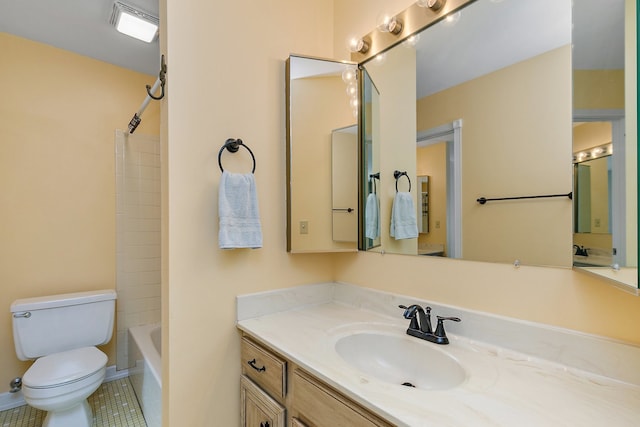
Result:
<point x="408" y="384"/>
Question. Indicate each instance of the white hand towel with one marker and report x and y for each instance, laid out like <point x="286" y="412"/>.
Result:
<point x="238" y="212"/>
<point x="372" y="217"/>
<point x="403" y="217"/>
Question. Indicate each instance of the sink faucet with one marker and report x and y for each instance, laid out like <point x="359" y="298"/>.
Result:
<point x="581" y="250"/>
<point x="420" y="325"/>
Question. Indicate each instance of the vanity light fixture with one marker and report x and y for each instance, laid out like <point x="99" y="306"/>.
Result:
<point x="134" y="22"/>
<point x="593" y="153"/>
<point x="434" y="5"/>
<point x="389" y="24"/>
<point x="358" y="45"/>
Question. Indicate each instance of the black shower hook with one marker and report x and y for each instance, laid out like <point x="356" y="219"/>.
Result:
<point x="163" y="79"/>
<point x="397" y="175"/>
<point x="233" y="145"/>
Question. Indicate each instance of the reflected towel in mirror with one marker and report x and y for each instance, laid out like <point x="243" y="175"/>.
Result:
<point x="238" y="212"/>
<point x="372" y="217"/>
<point x="404" y="224"/>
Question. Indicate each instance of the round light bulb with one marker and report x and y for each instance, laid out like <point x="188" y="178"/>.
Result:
<point x="349" y="74"/>
<point x="352" y="89"/>
<point x="353" y="103"/>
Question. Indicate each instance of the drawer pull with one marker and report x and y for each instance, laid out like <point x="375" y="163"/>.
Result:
<point x="252" y="363"/>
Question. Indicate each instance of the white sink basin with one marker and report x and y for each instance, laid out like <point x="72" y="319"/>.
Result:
<point x="401" y="360"/>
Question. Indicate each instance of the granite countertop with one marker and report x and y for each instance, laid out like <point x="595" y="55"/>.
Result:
<point x="503" y="387"/>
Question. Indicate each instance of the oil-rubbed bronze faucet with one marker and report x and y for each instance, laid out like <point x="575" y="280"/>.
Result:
<point x="420" y="325"/>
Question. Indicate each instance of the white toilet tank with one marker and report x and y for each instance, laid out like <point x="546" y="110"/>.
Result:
<point x="51" y="324"/>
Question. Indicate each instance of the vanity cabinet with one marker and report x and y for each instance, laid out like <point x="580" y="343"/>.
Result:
<point x="257" y="408"/>
<point x="321" y="406"/>
<point x="271" y="386"/>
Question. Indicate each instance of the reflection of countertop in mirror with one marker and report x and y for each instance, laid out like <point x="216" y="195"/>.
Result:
<point x="627" y="276"/>
<point x="432" y="249"/>
<point x="518" y="373"/>
<point x="592" y="261"/>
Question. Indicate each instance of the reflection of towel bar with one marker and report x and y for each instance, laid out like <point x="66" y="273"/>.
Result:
<point x="483" y="200"/>
<point x="397" y="175"/>
<point x="343" y="209"/>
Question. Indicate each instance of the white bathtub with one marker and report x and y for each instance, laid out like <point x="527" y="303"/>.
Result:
<point x="145" y="369"/>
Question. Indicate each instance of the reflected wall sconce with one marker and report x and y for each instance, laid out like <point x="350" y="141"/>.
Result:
<point x="134" y="22"/>
<point x="389" y="24"/>
<point x="434" y="5"/>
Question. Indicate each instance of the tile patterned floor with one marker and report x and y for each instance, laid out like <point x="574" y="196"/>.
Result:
<point x="114" y="404"/>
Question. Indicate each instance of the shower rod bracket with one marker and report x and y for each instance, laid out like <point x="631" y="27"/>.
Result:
<point x="162" y="77"/>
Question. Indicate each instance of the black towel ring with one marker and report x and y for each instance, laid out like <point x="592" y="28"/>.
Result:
<point x="397" y="175"/>
<point x="233" y="145"/>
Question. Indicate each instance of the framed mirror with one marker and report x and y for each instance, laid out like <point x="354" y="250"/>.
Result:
<point x="511" y="97"/>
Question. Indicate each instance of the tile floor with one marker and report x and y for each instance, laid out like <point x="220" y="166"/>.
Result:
<point x="114" y="404"/>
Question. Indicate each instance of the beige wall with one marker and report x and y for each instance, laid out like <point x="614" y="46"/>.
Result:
<point x="58" y="115"/>
<point x="319" y="105"/>
<point x="226" y="78"/>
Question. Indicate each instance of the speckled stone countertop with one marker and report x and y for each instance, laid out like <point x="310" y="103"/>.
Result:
<point x="517" y="373"/>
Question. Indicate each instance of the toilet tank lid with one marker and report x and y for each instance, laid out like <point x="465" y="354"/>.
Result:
<point x="61" y="300"/>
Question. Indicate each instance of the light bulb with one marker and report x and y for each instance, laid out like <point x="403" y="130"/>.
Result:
<point x="353" y="103"/>
<point x="349" y="74"/>
<point x="431" y="4"/>
<point x="357" y="45"/>
<point x="387" y="23"/>
<point x="352" y="89"/>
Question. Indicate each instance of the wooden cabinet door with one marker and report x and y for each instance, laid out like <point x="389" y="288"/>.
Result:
<point x="257" y="408"/>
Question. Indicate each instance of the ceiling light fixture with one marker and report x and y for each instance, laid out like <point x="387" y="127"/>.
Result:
<point x="134" y="22"/>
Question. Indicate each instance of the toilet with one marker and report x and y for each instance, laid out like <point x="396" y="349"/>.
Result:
<point x="61" y="333"/>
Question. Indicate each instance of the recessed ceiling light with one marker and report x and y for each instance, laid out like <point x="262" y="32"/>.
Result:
<point x="134" y="22"/>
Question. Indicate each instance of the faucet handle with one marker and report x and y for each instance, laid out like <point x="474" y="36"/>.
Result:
<point x="440" y="333"/>
<point x="410" y="313"/>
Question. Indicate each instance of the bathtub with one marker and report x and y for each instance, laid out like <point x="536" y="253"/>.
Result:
<point x="145" y="369"/>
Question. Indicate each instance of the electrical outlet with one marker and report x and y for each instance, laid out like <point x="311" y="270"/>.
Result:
<point x="304" y="227"/>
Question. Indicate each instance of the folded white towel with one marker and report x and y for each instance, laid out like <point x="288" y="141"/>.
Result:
<point x="403" y="217"/>
<point x="372" y="217"/>
<point x="238" y="212"/>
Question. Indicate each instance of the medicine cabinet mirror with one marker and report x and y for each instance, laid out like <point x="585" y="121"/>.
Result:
<point x="321" y="151"/>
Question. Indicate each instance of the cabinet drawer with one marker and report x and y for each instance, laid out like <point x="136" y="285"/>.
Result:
<point x="318" y="405"/>
<point x="264" y="368"/>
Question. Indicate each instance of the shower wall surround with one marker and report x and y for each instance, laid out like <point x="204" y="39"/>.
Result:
<point x="138" y="235"/>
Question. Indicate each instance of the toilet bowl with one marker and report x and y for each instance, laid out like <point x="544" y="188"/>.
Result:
<point x="61" y="383"/>
<point x="60" y="333"/>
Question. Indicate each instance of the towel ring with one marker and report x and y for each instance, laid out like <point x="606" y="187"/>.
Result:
<point x="233" y="145"/>
<point x="397" y="175"/>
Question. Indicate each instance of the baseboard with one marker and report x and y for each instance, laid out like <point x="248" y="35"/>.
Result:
<point x="13" y="400"/>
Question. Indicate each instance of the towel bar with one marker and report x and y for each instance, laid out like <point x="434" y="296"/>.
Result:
<point x="233" y="145"/>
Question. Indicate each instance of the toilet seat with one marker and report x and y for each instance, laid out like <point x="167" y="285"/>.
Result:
<point x="64" y="368"/>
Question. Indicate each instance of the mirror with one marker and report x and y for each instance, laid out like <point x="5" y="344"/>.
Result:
<point x="464" y="70"/>
<point x="322" y="216"/>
